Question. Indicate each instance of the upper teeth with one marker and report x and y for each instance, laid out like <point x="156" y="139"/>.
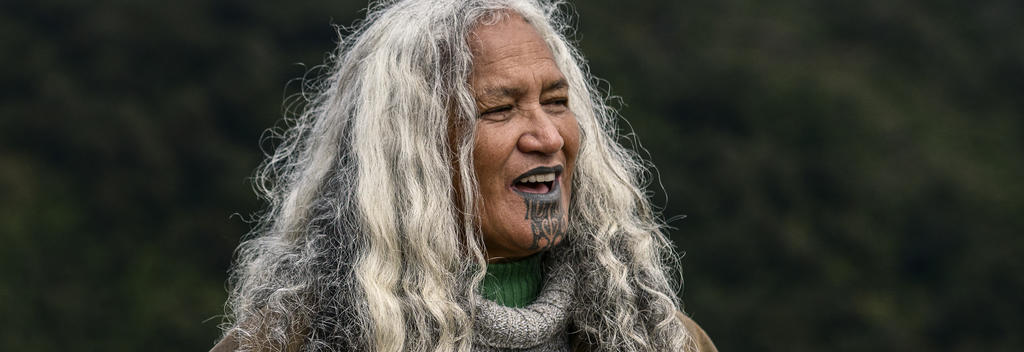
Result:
<point x="548" y="177"/>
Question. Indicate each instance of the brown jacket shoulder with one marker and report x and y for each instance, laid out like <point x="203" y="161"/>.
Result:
<point x="226" y="344"/>
<point x="700" y="338"/>
<point x="230" y="344"/>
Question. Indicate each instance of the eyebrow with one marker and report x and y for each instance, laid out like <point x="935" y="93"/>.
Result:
<point x="556" y="85"/>
<point x="516" y="91"/>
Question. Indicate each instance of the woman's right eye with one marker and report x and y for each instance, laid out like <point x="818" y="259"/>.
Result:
<point x="497" y="110"/>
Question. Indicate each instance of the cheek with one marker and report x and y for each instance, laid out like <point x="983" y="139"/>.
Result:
<point x="482" y="154"/>
<point x="488" y="161"/>
<point x="481" y="149"/>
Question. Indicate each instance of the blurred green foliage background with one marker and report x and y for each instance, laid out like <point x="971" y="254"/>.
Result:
<point x="850" y="171"/>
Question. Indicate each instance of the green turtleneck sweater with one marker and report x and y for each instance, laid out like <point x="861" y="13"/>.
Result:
<point x="513" y="284"/>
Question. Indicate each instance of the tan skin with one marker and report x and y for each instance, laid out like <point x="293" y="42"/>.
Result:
<point x="524" y="125"/>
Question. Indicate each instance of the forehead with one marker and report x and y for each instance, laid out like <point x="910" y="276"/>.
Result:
<point x="508" y="48"/>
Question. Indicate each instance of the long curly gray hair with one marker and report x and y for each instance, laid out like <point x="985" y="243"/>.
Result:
<point x="364" y="245"/>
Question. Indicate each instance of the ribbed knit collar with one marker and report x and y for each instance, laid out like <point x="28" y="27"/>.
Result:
<point x="538" y="327"/>
<point x="513" y="284"/>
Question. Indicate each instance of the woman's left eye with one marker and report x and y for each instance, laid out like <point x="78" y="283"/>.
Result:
<point x="557" y="105"/>
<point x="557" y="101"/>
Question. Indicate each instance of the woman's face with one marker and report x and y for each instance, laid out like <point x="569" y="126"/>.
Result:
<point x="526" y="140"/>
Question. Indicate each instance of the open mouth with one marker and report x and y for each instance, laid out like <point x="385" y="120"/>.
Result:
<point x="540" y="180"/>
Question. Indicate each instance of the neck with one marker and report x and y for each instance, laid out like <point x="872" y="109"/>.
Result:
<point x="513" y="284"/>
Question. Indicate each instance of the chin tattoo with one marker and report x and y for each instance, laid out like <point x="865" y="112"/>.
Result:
<point x="546" y="222"/>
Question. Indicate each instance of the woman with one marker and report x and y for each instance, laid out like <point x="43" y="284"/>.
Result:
<point x="456" y="186"/>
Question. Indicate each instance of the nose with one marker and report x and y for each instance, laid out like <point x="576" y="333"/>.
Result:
<point x="541" y="135"/>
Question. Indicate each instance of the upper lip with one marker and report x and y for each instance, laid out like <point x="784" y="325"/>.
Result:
<point x="557" y="169"/>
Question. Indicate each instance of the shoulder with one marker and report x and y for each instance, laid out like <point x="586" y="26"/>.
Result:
<point x="230" y="343"/>
<point x="226" y="344"/>
<point x="700" y="338"/>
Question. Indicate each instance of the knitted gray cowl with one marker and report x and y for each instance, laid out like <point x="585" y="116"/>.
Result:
<point x="538" y="327"/>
